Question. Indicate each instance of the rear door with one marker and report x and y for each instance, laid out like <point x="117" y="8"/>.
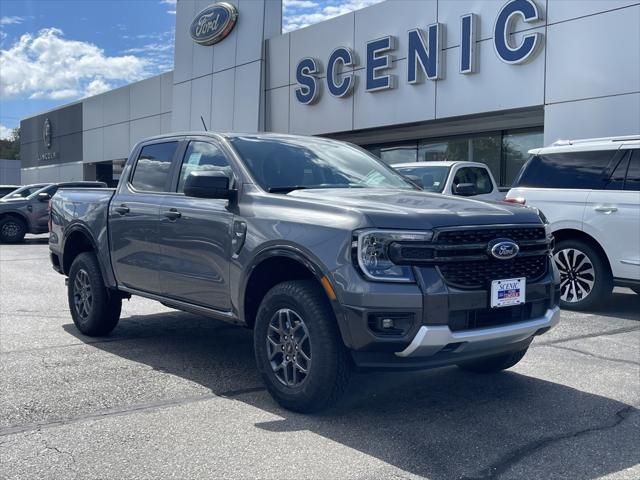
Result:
<point x="195" y="233"/>
<point x="134" y="217"/>
<point x="612" y="216"/>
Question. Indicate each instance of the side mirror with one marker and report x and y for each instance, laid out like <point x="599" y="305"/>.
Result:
<point x="415" y="180"/>
<point x="43" y="197"/>
<point x="465" y="189"/>
<point x="207" y="184"/>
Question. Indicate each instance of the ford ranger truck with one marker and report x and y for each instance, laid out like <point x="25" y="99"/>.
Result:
<point x="334" y="260"/>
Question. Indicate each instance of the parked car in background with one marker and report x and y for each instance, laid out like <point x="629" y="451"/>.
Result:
<point x="465" y="179"/>
<point x="6" y="189"/>
<point x="589" y="190"/>
<point x="332" y="258"/>
<point x="24" y="191"/>
<point x="26" y="210"/>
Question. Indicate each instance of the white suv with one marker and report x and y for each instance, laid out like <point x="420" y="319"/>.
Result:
<point x="589" y="190"/>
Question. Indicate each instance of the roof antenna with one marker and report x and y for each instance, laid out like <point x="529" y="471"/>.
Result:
<point x="203" y="124"/>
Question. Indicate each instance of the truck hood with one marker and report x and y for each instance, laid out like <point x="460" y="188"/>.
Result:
<point x="409" y="209"/>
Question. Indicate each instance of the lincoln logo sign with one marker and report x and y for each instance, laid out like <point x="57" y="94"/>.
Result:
<point x="46" y="133"/>
<point x="424" y="54"/>
<point x="504" y="249"/>
<point x="213" y="23"/>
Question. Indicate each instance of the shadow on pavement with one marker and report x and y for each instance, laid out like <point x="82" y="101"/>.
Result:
<point x="623" y="303"/>
<point x="440" y="424"/>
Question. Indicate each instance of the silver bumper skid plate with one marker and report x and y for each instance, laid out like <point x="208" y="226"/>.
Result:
<point x="431" y="339"/>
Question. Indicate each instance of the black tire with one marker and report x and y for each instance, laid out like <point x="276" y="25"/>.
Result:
<point x="493" y="364"/>
<point x="330" y="367"/>
<point x="100" y="315"/>
<point x="601" y="278"/>
<point x="12" y="229"/>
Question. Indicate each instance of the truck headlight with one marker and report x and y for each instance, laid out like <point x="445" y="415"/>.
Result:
<point x="373" y="253"/>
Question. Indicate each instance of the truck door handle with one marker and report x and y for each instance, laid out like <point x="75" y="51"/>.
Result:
<point x="122" y="209"/>
<point x="172" y="214"/>
<point x="603" y="209"/>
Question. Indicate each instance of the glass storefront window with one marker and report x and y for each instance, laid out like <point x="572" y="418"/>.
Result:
<point x="514" y="150"/>
<point x="403" y="153"/>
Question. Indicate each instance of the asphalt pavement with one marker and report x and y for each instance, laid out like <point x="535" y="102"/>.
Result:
<point x="174" y="395"/>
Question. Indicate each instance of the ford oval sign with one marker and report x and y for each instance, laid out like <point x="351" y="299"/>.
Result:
<point x="503" y="249"/>
<point x="213" y="23"/>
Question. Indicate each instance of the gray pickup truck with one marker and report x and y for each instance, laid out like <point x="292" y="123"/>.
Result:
<point x="26" y="210"/>
<point x="333" y="259"/>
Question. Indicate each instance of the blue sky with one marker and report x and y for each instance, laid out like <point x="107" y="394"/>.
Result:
<point x="53" y="52"/>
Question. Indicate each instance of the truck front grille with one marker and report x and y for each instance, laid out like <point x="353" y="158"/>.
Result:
<point x="485" y="235"/>
<point x="479" y="274"/>
<point x="492" y="317"/>
<point x="462" y="255"/>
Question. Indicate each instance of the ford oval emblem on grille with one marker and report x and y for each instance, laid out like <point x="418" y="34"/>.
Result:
<point x="503" y="249"/>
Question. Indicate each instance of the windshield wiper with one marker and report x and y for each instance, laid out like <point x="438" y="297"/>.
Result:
<point x="306" y="187"/>
<point x="286" y="189"/>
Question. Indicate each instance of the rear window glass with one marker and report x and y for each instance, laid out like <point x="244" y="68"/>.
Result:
<point x="575" y="170"/>
<point x="633" y="173"/>
<point x="153" y="166"/>
<point x="477" y="176"/>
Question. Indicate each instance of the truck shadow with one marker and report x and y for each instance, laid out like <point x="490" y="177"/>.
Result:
<point x="440" y="423"/>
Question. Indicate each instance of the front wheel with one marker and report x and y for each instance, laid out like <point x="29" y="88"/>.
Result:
<point x="585" y="278"/>
<point x="12" y="230"/>
<point x="94" y="308"/>
<point x="298" y="347"/>
<point x="493" y="364"/>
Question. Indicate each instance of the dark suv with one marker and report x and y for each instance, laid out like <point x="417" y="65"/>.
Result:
<point x="26" y="210"/>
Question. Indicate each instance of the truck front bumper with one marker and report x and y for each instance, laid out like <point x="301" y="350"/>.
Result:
<point x="432" y="339"/>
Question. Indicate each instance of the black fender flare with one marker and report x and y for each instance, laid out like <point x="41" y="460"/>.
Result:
<point x="307" y="259"/>
<point x="107" y="275"/>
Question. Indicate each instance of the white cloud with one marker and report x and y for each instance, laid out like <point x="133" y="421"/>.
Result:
<point x="96" y="87"/>
<point x="299" y="15"/>
<point x="169" y="2"/>
<point x="171" y="12"/>
<point x="47" y="65"/>
<point x="291" y="4"/>
<point x="11" y="20"/>
<point x="6" y="133"/>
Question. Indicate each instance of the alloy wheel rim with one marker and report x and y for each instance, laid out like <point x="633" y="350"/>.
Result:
<point x="577" y="274"/>
<point x="82" y="294"/>
<point x="10" y="230"/>
<point x="289" y="347"/>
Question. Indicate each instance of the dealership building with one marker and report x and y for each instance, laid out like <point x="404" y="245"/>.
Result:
<point x="410" y="80"/>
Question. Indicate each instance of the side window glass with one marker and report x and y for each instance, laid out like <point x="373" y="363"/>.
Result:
<point x="616" y="181"/>
<point x="153" y="166"/>
<point x="475" y="175"/>
<point x="579" y="170"/>
<point x="202" y="156"/>
<point x="633" y="173"/>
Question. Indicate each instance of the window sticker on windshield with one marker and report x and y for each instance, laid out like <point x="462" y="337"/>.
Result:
<point x="374" y="178"/>
<point x="194" y="159"/>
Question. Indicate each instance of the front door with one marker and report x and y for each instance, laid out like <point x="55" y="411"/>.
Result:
<point x="195" y="235"/>
<point x="134" y="218"/>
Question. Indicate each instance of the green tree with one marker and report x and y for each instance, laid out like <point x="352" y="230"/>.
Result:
<point x="10" y="148"/>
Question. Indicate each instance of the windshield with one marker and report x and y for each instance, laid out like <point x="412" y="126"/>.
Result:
<point x="433" y="177"/>
<point x="24" y="192"/>
<point x="288" y="163"/>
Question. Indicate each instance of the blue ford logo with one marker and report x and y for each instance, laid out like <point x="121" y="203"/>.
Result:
<point x="213" y="23"/>
<point x="503" y="249"/>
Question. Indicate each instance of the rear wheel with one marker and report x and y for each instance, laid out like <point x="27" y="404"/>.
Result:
<point x="94" y="308"/>
<point x="298" y="347"/>
<point x="493" y="364"/>
<point x="12" y="229"/>
<point x="585" y="279"/>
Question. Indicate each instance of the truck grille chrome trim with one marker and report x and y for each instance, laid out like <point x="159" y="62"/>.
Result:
<point x="432" y="339"/>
